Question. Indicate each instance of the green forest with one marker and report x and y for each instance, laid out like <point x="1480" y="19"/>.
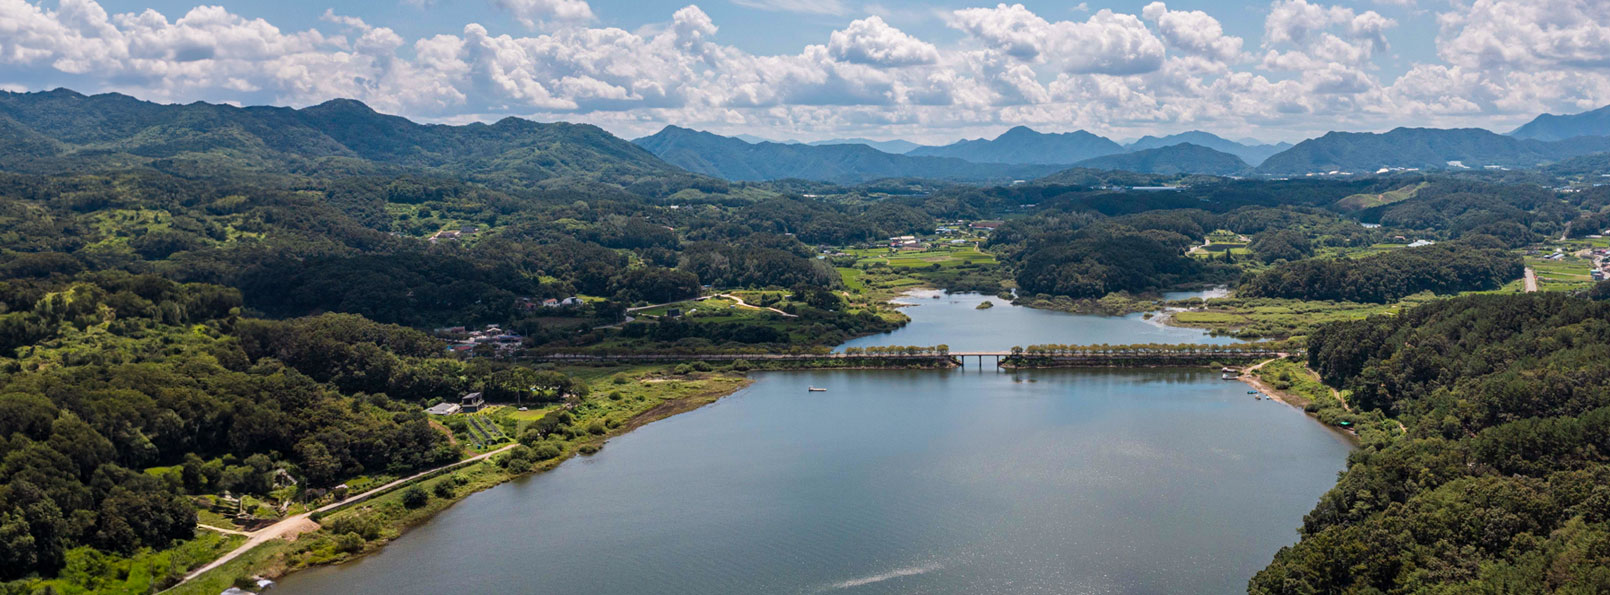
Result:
<point x="1499" y="484"/>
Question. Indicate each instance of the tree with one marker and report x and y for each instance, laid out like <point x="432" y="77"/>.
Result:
<point x="415" y="497"/>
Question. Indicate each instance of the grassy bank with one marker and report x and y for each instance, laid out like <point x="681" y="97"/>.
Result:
<point x="619" y="400"/>
<point x="1291" y="381"/>
<point x="1276" y="318"/>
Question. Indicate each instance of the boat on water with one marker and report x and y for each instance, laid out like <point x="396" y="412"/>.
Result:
<point x="815" y="389"/>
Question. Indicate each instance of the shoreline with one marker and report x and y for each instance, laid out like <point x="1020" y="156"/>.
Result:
<point x="276" y="558"/>
<point x="1292" y="400"/>
<point x="275" y="566"/>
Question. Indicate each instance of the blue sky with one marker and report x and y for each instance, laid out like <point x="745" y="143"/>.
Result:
<point x="814" y="69"/>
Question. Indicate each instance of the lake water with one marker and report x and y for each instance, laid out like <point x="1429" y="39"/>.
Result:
<point x="960" y="481"/>
<point x="955" y="320"/>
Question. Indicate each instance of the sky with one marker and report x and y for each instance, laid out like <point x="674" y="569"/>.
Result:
<point x="930" y="72"/>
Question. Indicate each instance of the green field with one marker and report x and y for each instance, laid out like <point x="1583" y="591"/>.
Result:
<point x="1269" y="317"/>
<point x="1365" y="201"/>
<point x="941" y="254"/>
<point x="876" y="275"/>
<point x="1569" y="273"/>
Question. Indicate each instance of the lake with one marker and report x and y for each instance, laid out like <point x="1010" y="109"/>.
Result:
<point x="960" y="481"/>
<point x="955" y="320"/>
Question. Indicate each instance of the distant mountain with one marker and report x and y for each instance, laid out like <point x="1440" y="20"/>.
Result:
<point x="64" y="130"/>
<point x="896" y="147"/>
<point x="1251" y="153"/>
<point x="1176" y="159"/>
<point x="733" y="159"/>
<point x="1423" y="148"/>
<point x="1023" y="145"/>
<point x="752" y="139"/>
<point x="1549" y="127"/>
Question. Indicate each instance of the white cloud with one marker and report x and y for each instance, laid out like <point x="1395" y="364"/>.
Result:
<point x="1106" y="43"/>
<point x="532" y="13"/>
<point x="872" y="41"/>
<point x="1299" y="23"/>
<point x="1193" y="32"/>
<point x="1527" y="34"/>
<point x="830" y="7"/>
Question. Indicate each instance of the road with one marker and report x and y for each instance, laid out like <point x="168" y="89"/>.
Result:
<point x="743" y="304"/>
<point x="1531" y="280"/>
<point x="223" y="530"/>
<point x="296" y="525"/>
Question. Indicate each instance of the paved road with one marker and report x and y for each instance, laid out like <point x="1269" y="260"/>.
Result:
<point x="1531" y="280"/>
<point x="303" y="523"/>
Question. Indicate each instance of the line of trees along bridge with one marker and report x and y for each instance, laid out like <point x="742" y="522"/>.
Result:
<point x="1030" y="355"/>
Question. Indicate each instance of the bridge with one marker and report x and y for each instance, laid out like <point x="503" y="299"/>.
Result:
<point x="1138" y="356"/>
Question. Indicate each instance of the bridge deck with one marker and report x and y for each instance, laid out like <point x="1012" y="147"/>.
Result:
<point x="952" y="354"/>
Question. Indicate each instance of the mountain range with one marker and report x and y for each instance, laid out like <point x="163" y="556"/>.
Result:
<point x="1024" y="145"/>
<point x="62" y="130"/>
<point x="1551" y="127"/>
<point x="1175" y="159"/>
<point x="739" y="160"/>
<point x="1253" y="154"/>
<point x="1424" y="148"/>
<point x="897" y="146"/>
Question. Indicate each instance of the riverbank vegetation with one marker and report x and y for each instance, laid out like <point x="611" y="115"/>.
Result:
<point x="621" y="398"/>
<point x="1148" y="354"/>
<point x="1301" y="387"/>
<point x="136" y="408"/>
<point x="1499" y="480"/>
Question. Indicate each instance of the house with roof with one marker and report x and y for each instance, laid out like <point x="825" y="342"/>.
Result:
<point x="471" y="402"/>
<point x="444" y="408"/>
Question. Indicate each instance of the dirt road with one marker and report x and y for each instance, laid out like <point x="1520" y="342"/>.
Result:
<point x="293" y="526"/>
<point x="1531" y="280"/>
<point x="742" y="304"/>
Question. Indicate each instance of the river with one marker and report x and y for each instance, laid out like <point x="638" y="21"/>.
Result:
<point x="960" y="481"/>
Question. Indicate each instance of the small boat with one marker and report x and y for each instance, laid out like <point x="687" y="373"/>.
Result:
<point x="815" y="389"/>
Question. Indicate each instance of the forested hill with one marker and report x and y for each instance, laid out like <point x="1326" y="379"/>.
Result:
<point x="739" y="160"/>
<point x="62" y="131"/>
<point x="1502" y="483"/>
<point x="1252" y="153"/>
<point x="1424" y="148"/>
<point x="1024" y="145"/>
<point x="1476" y="264"/>
<point x="1184" y="158"/>
<point x="1550" y="127"/>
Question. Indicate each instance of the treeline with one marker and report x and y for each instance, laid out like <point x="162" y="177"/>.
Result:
<point x="1500" y="483"/>
<point x="1459" y="207"/>
<point x="1088" y="256"/>
<point x="1058" y="350"/>
<point x="121" y="395"/>
<point x="295" y="246"/>
<point x="1450" y="267"/>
